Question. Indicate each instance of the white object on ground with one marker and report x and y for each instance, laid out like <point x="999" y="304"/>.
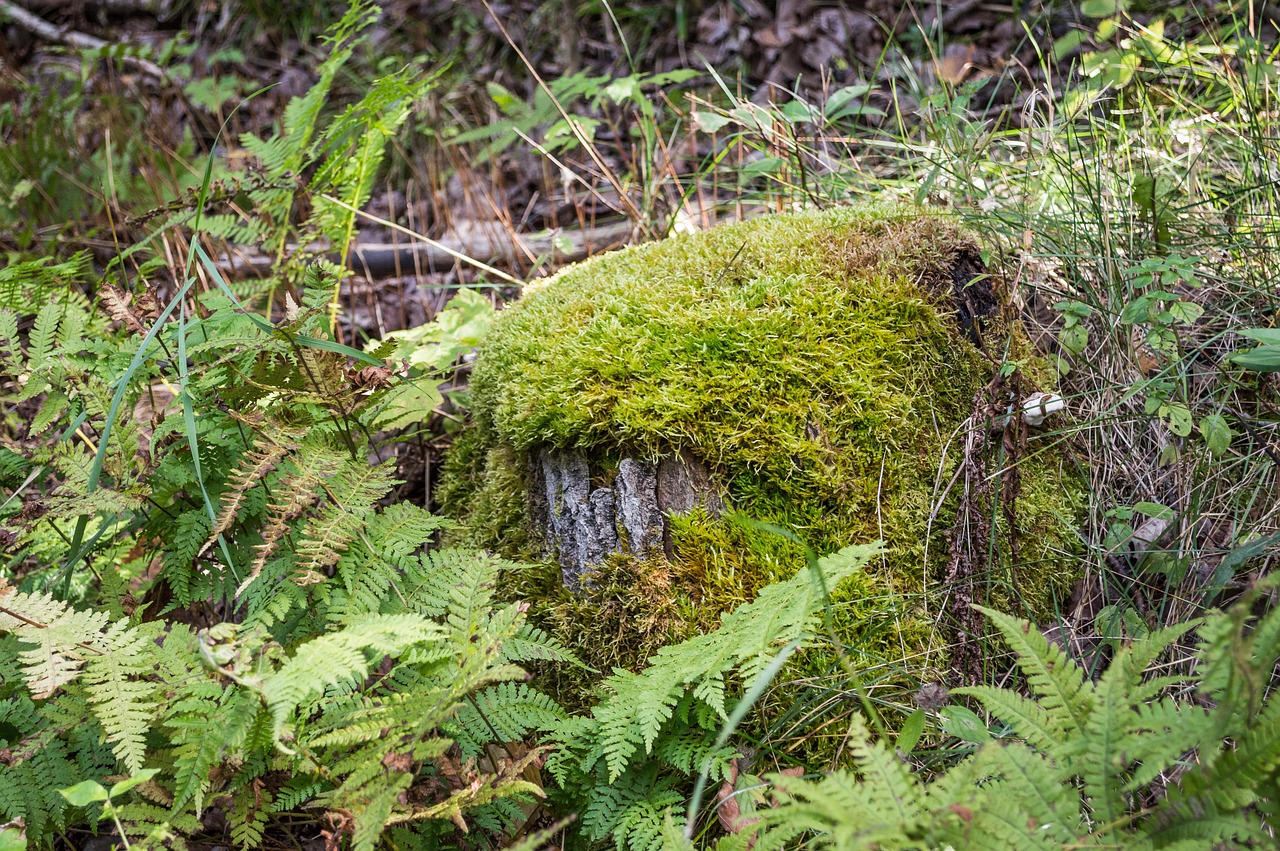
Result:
<point x="1039" y="407"/>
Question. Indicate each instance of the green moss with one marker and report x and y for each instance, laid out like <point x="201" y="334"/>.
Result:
<point x="814" y="362"/>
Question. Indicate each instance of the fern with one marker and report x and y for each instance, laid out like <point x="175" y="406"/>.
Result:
<point x="116" y="682"/>
<point x="41" y="281"/>
<point x="1054" y="676"/>
<point x="635" y="738"/>
<point x="507" y="712"/>
<point x="255" y="465"/>
<point x="38" y="765"/>
<point x="641" y="825"/>
<point x="65" y="644"/>
<point x="1093" y="766"/>
<point x="748" y="638"/>
<point x="341" y="657"/>
<point x="325" y="536"/>
<point x="355" y="668"/>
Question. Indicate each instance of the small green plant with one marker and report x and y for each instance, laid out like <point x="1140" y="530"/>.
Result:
<point x="624" y="765"/>
<point x="428" y="352"/>
<point x="349" y="660"/>
<point x="341" y="160"/>
<point x="1131" y="759"/>
<point x="91" y="792"/>
<point x="1264" y="357"/>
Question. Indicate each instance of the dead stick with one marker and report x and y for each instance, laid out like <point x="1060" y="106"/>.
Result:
<point x="376" y="260"/>
<point x="41" y="28"/>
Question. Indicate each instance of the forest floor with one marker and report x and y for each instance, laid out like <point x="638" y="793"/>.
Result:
<point x="1116" y="160"/>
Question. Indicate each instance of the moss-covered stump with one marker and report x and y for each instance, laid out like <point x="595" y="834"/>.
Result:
<point x="809" y="371"/>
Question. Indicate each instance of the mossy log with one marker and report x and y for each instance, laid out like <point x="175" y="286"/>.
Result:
<point x="811" y="371"/>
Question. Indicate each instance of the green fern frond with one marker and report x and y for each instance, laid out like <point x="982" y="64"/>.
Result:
<point x="39" y="763"/>
<point x="366" y="584"/>
<point x="296" y="791"/>
<point x="836" y="810"/>
<point x="248" y="816"/>
<point x="693" y="750"/>
<point x="606" y="803"/>
<point x="209" y="722"/>
<point x="748" y="638"/>
<point x="41" y="281"/>
<point x="63" y="644"/>
<point x="186" y="537"/>
<point x="641" y="826"/>
<point x="43" y="337"/>
<point x="470" y="598"/>
<point x="325" y="537"/>
<point x="508" y="711"/>
<point x="429" y="581"/>
<point x="1208" y="830"/>
<point x="341" y="657"/>
<point x="1033" y="786"/>
<point x="116" y="680"/>
<point x="352" y="492"/>
<point x="1161" y="733"/>
<point x="11" y="356"/>
<point x="57" y="648"/>
<point x="400" y="530"/>
<point x="999" y="828"/>
<point x="1240" y="775"/>
<point x="371" y="807"/>
<point x="235" y="229"/>
<point x="271" y="599"/>
<point x="892" y="787"/>
<point x="532" y="644"/>
<point x="1029" y="719"/>
<point x="1054" y="676"/>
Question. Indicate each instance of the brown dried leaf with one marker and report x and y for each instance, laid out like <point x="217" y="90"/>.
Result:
<point x="117" y="303"/>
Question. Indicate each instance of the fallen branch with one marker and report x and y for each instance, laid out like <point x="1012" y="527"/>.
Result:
<point x="41" y="28"/>
<point x="380" y="260"/>
<point x="159" y="8"/>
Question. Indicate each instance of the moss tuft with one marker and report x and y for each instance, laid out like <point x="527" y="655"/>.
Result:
<point x="820" y="364"/>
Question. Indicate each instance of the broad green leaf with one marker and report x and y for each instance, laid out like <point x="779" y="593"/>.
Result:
<point x="1216" y="433"/>
<point x="1154" y="509"/>
<point x="85" y="793"/>
<point x="12" y="839"/>
<point x="844" y="95"/>
<point x="676" y="75"/>
<point x="1186" y="312"/>
<point x="710" y="122"/>
<point x="762" y="166"/>
<point x="965" y="724"/>
<point x="507" y="102"/>
<point x="797" y="110"/>
<point x="1068" y="43"/>
<point x="1074" y="308"/>
<point x="912" y="729"/>
<point x="1179" y="418"/>
<point x="624" y="88"/>
<point x="1136" y="310"/>
<point x="1074" y="339"/>
<point x="1260" y="359"/>
<point x="1262" y="335"/>
<point x="136" y="780"/>
<point x="410" y="402"/>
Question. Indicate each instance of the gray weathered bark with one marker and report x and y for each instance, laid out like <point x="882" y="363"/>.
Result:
<point x="582" y="525"/>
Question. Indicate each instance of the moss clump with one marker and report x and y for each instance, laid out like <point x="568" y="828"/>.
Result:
<point x="816" y="362"/>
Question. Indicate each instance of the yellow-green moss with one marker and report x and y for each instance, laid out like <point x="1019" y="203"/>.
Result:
<point x="813" y="361"/>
